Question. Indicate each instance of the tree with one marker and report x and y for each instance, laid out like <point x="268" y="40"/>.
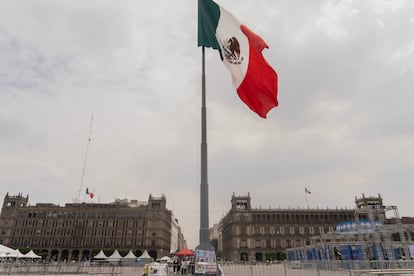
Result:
<point x="270" y="256"/>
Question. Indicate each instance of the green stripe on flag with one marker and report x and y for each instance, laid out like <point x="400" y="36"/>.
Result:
<point x="208" y="18"/>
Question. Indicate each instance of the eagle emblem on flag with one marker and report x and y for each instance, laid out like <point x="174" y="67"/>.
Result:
<point x="231" y="50"/>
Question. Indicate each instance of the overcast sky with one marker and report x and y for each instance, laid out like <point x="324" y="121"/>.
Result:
<point x="344" y="125"/>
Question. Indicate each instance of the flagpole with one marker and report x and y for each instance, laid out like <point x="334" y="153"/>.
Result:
<point x="307" y="191"/>
<point x="306" y="196"/>
<point x="204" y="219"/>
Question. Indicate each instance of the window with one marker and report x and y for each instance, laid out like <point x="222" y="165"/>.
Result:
<point x="243" y="230"/>
<point x="396" y="237"/>
<point x="243" y="244"/>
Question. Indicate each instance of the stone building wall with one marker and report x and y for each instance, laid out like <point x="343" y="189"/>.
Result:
<point x="74" y="231"/>
<point x="250" y="234"/>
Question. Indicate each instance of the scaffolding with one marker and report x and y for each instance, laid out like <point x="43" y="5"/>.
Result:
<point x="370" y="237"/>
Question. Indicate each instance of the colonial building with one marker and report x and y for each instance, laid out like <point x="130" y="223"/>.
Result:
<point x="252" y="234"/>
<point x="76" y="230"/>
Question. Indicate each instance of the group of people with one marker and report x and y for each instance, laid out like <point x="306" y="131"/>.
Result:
<point x="178" y="266"/>
<point x="184" y="266"/>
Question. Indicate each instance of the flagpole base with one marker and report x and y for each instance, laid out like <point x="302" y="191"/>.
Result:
<point x="205" y="246"/>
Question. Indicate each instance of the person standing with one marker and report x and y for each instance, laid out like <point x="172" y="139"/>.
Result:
<point x="184" y="266"/>
<point x="176" y="265"/>
<point x="146" y="270"/>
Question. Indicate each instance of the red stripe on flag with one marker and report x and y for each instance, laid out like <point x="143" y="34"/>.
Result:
<point x="258" y="89"/>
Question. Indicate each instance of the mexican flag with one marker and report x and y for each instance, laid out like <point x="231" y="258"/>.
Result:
<point x="241" y="51"/>
<point x="91" y="195"/>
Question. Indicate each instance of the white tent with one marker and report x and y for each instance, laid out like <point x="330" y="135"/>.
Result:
<point x="129" y="258"/>
<point x="100" y="255"/>
<point x="6" y="252"/>
<point x="20" y="254"/>
<point x="115" y="256"/>
<point x="145" y="257"/>
<point x="31" y="255"/>
<point x="130" y="255"/>
<point x="164" y="259"/>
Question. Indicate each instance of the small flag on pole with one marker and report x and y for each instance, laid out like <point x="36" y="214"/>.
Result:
<point x="307" y="191"/>
<point x="91" y="195"/>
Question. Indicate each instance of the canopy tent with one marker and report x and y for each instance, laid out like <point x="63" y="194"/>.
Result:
<point x="164" y="259"/>
<point x="31" y="255"/>
<point x="145" y="257"/>
<point x="130" y="255"/>
<point x="101" y="255"/>
<point x="115" y="256"/>
<point x="20" y="254"/>
<point x="129" y="258"/>
<point x="6" y="252"/>
<point x="184" y="252"/>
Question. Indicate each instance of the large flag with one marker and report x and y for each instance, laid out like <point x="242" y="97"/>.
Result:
<point x="241" y="51"/>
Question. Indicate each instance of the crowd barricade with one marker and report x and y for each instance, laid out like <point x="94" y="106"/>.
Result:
<point x="285" y="268"/>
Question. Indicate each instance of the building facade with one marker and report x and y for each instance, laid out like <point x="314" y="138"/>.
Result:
<point x="76" y="230"/>
<point x="369" y="236"/>
<point x="177" y="238"/>
<point x="251" y="234"/>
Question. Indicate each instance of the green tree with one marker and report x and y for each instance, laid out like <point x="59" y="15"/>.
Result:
<point x="280" y="256"/>
<point x="123" y="252"/>
<point x="108" y="251"/>
<point x="270" y="256"/>
<point x="24" y="250"/>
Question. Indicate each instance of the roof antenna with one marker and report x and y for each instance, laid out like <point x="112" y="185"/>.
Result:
<point x="85" y="159"/>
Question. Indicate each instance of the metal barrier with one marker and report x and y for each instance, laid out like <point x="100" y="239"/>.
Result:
<point x="293" y="268"/>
